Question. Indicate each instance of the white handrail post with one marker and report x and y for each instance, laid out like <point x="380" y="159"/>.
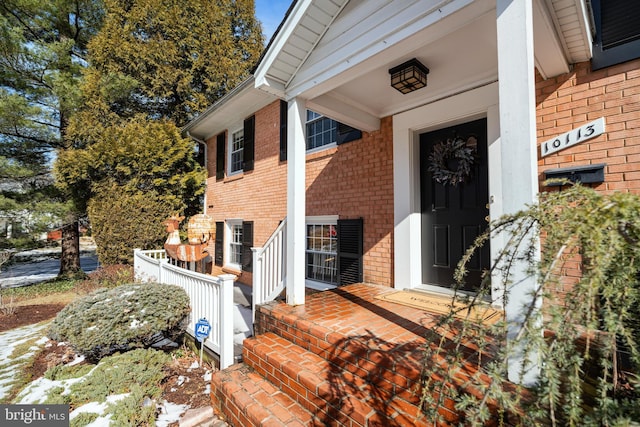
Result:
<point x="257" y="282"/>
<point x="226" y="320"/>
<point x="161" y="265"/>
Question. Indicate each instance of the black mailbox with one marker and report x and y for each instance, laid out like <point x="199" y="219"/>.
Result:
<point x="589" y="174"/>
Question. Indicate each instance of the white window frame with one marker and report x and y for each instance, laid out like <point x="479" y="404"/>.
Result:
<point x="306" y="129"/>
<point x="320" y="220"/>
<point x="229" y="243"/>
<point x="230" y="144"/>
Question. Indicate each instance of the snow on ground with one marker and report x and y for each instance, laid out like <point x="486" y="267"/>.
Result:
<point x="10" y="363"/>
<point x="37" y="390"/>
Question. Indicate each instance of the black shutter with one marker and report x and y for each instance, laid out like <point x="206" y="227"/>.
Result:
<point x="617" y="36"/>
<point x="247" y="243"/>
<point x="347" y="134"/>
<point x="249" y="143"/>
<point x="219" y="244"/>
<point x="283" y="129"/>
<point x="350" y="236"/>
<point x="220" y="143"/>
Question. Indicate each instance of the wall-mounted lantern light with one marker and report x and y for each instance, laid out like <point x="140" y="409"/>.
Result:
<point x="409" y="76"/>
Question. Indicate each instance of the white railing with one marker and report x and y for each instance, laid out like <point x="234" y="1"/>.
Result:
<point x="270" y="267"/>
<point x="211" y="298"/>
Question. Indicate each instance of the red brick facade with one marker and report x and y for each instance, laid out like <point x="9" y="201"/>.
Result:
<point x="570" y="100"/>
<point x="351" y="180"/>
<point x="356" y="179"/>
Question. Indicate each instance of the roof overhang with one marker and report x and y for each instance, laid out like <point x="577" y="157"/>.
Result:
<point x="240" y="103"/>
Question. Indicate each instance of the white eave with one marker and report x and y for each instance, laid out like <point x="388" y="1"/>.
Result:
<point x="238" y="104"/>
<point x="562" y="35"/>
<point x="304" y="26"/>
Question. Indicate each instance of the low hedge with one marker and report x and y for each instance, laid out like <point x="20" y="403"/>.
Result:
<point x="123" y="318"/>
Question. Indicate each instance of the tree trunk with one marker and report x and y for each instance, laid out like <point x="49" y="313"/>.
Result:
<point x="70" y="257"/>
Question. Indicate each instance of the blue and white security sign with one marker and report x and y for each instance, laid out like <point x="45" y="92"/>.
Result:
<point x="203" y="328"/>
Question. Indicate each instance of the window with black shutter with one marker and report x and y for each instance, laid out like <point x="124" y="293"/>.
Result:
<point x="283" y="130"/>
<point x="350" y="250"/>
<point x="249" y="143"/>
<point x="617" y="36"/>
<point x="220" y="143"/>
<point x="247" y="243"/>
<point x="219" y="244"/>
<point x="347" y="134"/>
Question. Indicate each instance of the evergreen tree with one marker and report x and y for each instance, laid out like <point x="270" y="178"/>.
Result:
<point x="154" y="65"/>
<point x="173" y="58"/>
<point x="43" y="48"/>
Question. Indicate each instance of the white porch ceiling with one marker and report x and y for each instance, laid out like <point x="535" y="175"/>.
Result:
<point x="336" y="53"/>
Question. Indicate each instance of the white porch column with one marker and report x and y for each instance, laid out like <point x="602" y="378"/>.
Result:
<point x="518" y="151"/>
<point x="296" y="208"/>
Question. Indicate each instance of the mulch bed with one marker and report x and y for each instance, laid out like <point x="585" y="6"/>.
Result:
<point x="27" y="315"/>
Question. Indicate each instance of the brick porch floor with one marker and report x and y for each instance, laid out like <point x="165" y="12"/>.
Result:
<point x="344" y="358"/>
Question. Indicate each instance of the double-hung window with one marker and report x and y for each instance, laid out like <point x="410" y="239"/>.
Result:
<point x="322" y="250"/>
<point x="234" y="232"/>
<point x="321" y="131"/>
<point x="236" y="153"/>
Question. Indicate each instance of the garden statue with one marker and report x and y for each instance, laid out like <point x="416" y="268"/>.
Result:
<point x="199" y="232"/>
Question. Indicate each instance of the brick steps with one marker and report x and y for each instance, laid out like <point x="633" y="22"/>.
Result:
<point x="332" y="393"/>
<point x="342" y="359"/>
<point x="247" y="399"/>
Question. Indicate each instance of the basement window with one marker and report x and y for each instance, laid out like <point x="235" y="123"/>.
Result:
<point x="322" y="250"/>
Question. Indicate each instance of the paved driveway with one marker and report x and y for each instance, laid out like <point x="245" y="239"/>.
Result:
<point x="28" y="273"/>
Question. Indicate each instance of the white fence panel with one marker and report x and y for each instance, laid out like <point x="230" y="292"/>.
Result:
<point x="211" y="298"/>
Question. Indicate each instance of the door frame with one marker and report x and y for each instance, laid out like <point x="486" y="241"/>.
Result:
<point x="481" y="102"/>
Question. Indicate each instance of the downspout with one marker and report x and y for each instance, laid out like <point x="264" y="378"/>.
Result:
<point x="204" y="144"/>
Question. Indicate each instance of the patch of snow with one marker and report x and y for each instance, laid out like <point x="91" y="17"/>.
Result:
<point x="127" y="294"/>
<point x="98" y="408"/>
<point x="169" y="413"/>
<point x="194" y="365"/>
<point x="135" y="323"/>
<point x="36" y="391"/>
<point x="180" y="381"/>
<point x="10" y="340"/>
<point x="77" y="360"/>
<point x="14" y="282"/>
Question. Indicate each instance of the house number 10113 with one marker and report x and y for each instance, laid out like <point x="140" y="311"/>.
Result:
<point x="573" y="137"/>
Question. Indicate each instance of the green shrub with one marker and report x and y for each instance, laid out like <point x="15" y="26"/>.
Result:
<point x="587" y="339"/>
<point x="137" y="373"/>
<point x="123" y="318"/>
<point x="138" y="223"/>
<point x="109" y="276"/>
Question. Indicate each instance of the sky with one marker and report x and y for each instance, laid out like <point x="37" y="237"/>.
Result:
<point x="271" y="13"/>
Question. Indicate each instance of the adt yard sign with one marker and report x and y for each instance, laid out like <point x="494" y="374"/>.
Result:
<point x="203" y="328"/>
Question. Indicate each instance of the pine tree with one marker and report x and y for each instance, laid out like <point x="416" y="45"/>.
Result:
<point x="154" y="65"/>
<point x="43" y="51"/>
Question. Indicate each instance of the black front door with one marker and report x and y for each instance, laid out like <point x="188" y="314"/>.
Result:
<point x="453" y="213"/>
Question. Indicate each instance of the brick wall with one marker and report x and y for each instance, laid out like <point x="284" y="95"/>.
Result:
<point x="356" y="180"/>
<point x="571" y="100"/>
<point x="258" y="195"/>
<point x="352" y="180"/>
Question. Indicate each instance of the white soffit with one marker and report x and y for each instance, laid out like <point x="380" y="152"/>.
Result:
<point x="573" y="24"/>
<point x="235" y="106"/>
<point x="549" y="50"/>
<point x="303" y="29"/>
